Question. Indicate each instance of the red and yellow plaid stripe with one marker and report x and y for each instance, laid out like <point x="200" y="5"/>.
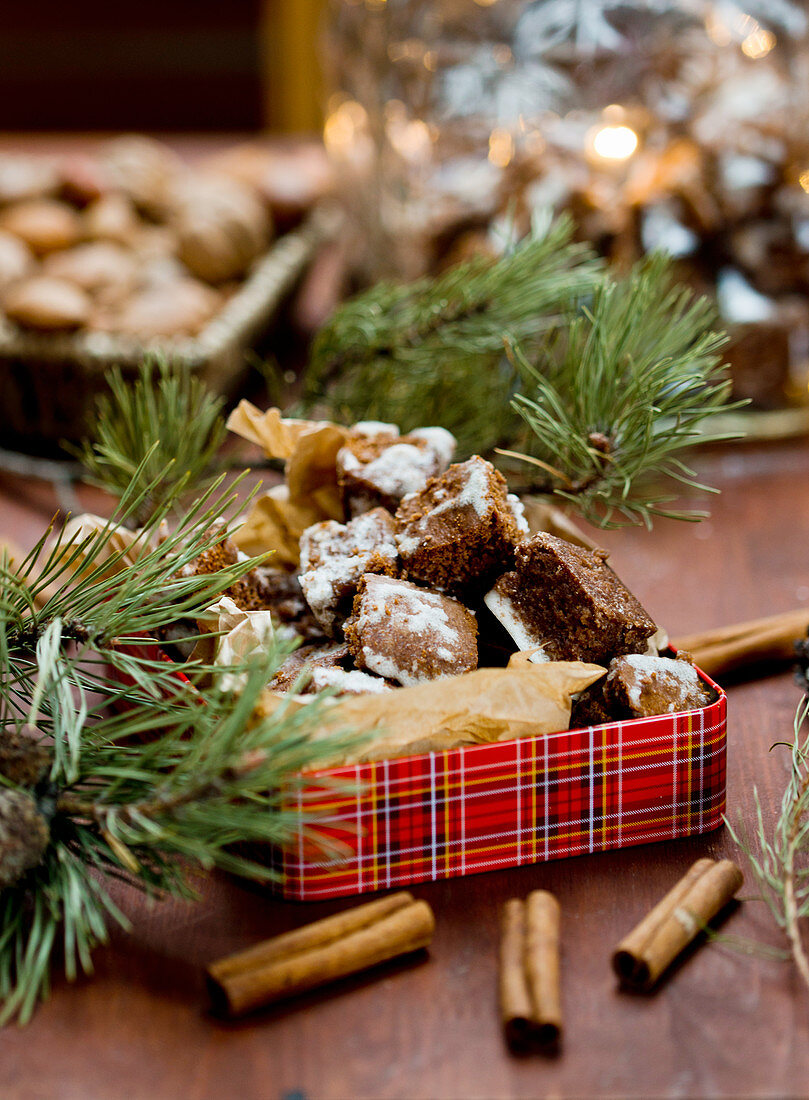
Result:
<point x="475" y="809"/>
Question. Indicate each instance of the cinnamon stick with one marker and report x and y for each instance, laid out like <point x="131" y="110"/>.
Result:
<point x="730" y="647"/>
<point x="320" y="953"/>
<point x="530" y="1002"/>
<point x="650" y="948"/>
<point x="516" y="1007"/>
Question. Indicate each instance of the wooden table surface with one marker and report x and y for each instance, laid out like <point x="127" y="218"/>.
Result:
<point x="726" y="1023"/>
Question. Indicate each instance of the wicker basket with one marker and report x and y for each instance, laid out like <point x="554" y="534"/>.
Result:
<point x="49" y="383"/>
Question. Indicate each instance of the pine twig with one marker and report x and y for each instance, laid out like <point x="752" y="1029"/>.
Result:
<point x="91" y="792"/>
<point x="776" y="858"/>
<point x="431" y="352"/>
<point x="165" y="421"/>
<point x="620" y="393"/>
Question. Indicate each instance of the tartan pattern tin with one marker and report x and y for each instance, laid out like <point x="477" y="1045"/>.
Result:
<point x="485" y="807"/>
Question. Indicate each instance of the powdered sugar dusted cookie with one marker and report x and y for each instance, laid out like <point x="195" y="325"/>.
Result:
<point x="569" y="602"/>
<point x="461" y="529"/>
<point x="641" y="685"/>
<point x="348" y="681"/>
<point x="312" y="658"/>
<point x="335" y="555"/>
<point x="377" y="466"/>
<point x="409" y="634"/>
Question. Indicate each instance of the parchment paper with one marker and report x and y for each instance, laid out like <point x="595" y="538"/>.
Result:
<point x="309" y="449"/>
<point x="491" y="704"/>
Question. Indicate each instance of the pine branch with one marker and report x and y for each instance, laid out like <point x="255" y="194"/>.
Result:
<point x="110" y="599"/>
<point x="144" y="795"/>
<point x="90" y="791"/>
<point x="780" y="859"/>
<point x="432" y="352"/>
<point x="162" y="430"/>
<point x="622" y="390"/>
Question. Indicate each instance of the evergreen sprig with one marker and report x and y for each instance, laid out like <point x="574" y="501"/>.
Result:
<point x="432" y="351"/>
<point x="90" y="790"/>
<point x="621" y="390"/>
<point x="602" y="383"/>
<point x="780" y="858"/>
<point x="165" y="421"/>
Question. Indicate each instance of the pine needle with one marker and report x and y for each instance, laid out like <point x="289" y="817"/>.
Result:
<point x="627" y="385"/>
<point x="432" y="352"/>
<point x="166" y="422"/>
<point x="779" y="858"/>
<point x="156" y="768"/>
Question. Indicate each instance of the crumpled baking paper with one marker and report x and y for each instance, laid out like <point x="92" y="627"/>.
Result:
<point x="244" y="635"/>
<point x="490" y="704"/>
<point x="310" y="494"/>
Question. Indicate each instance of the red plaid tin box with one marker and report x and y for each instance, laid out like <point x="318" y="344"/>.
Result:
<point x="468" y="810"/>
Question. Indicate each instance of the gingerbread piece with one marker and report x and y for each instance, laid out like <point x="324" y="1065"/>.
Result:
<point x="221" y="555"/>
<point x="348" y="681"/>
<point x="567" y="603"/>
<point x="376" y="467"/>
<point x="334" y="556"/>
<point x="461" y="530"/>
<point x="590" y="708"/>
<point x="308" y="658"/>
<point x="280" y="592"/>
<point x="409" y="634"/>
<point x="638" y="686"/>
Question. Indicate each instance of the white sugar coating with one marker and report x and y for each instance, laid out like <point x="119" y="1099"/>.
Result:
<point x="346" y="460"/>
<point x="348" y="682"/>
<point x="678" y="676"/>
<point x="417" y="611"/>
<point x="440" y="440"/>
<point x="517" y="509"/>
<point x="374" y="427"/>
<point x="384" y="665"/>
<point x="401" y="469"/>
<point x="475" y="491"/>
<point x="420" y="624"/>
<point x="407" y="544"/>
<point x="335" y="555"/>
<point x="502" y="607"/>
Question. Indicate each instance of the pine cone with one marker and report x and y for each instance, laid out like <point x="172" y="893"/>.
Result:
<point x="24" y="836"/>
<point x="22" y="759"/>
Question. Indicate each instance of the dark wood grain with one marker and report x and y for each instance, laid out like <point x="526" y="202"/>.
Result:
<point x="724" y="1024"/>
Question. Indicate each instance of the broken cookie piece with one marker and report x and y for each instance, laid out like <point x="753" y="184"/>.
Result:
<point x="312" y="658"/>
<point x="461" y="529"/>
<point x="409" y="634"/>
<point x="351" y="681"/>
<point x="221" y="555"/>
<point x="638" y="686"/>
<point x="566" y="602"/>
<point x="376" y="467"/>
<point x="279" y="592"/>
<point x="335" y="555"/>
